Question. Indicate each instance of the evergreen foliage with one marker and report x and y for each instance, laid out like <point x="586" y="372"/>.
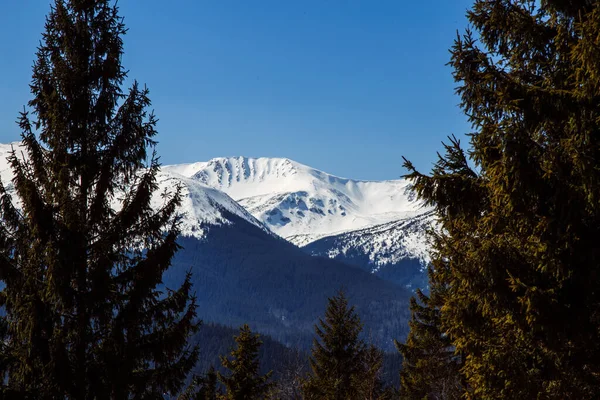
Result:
<point x="82" y="251"/>
<point x="290" y="365"/>
<point x="250" y="271"/>
<point x="517" y="252"/>
<point x="430" y="370"/>
<point x="342" y="367"/>
<point x="290" y="377"/>
<point x="216" y="340"/>
<point x="372" y="385"/>
<point x="203" y="388"/>
<point x="244" y="381"/>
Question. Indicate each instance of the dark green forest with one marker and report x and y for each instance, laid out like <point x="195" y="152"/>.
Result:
<point x="242" y="273"/>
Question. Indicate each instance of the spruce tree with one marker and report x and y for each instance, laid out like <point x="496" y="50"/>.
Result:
<point x="203" y="387"/>
<point x="430" y="369"/>
<point x="517" y="250"/>
<point x="244" y="381"/>
<point x="290" y="376"/>
<point x="338" y="355"/>
<point x="82" y="252"/>
<point x="371" y="384"/>
<point x="209" y="389"/>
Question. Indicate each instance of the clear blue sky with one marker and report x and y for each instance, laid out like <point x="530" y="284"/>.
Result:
<point x="345" y="86"/>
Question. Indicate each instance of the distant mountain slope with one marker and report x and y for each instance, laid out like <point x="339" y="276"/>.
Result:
<point x="202" y="205"/>
<point x="301" y="203"/>
<point x="396" y="251"/>
<point x="378" y="226"/>
<point x="242" y="274"/>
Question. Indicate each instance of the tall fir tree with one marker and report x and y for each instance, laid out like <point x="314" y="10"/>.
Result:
<point x="82" y="252"/>
<point x="244" y="381"/>
<point x="517" y="248"/>
<point x="342" y="367"/>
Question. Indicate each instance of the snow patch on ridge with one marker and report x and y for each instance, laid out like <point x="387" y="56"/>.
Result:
<point x="383" y="244"/>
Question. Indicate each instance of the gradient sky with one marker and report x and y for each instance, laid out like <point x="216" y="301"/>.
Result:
<point x="345" y="86"/>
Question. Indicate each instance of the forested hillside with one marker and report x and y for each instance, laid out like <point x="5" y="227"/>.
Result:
<point x="241" y="274"/>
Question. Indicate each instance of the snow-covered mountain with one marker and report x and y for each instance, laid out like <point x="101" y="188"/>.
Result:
<point x="244" y="273"/>
<point x="202" y="206"/>
<point x="300" y="203"/>
<point x="382" y="244"/>
<point x="397" y="251"/>
<point x="377" y="225"/>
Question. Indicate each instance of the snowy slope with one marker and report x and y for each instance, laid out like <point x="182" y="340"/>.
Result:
<point x="201" y="206"/>
<point x="383" y="244"/>
<point x="5" y="171"/>
<point x="396" y="251"/>
<point x="378" y="222"/>
<point x="301" y="203"/>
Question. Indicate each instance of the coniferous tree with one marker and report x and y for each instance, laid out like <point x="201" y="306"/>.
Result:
<point x="244" y="381"/>
<point x="430" y="369"/>
<point x="371" y="385"/>
<point x="339" y="366"/>
<point x="209" y="389"/>
<point x="203" y="388"/>
<point x="290" y="377"/>
<point x="82" y="252"/>
<point x="517" y="251"/>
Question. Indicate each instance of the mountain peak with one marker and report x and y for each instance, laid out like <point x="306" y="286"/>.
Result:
<point x="202" y="205"/>
<point x="295" y="200"/>
<point x="243" y="169"/>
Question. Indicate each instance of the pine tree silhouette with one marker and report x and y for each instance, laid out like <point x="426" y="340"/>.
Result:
<point x="340" y="367"/>
<point x="517" y="252"/>
<point x="244" y="381"/>
<point x="203" y="388"/>
<point x="82" y="251"/>
<point x="430" y="369"/>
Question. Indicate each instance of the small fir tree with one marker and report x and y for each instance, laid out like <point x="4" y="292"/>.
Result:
<point x="244" y="382"/>
<point x="338" y="361"/>
<point x="430" y="369"/>
<point x="290" y="377"/>
<point x="203" y="387"/>
<point x="371" y="385"/>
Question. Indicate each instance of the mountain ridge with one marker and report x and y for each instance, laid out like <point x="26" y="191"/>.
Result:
<point x="297" y="201"/>
<point x="363" y="223"/>
<point x="201" y="205"/>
